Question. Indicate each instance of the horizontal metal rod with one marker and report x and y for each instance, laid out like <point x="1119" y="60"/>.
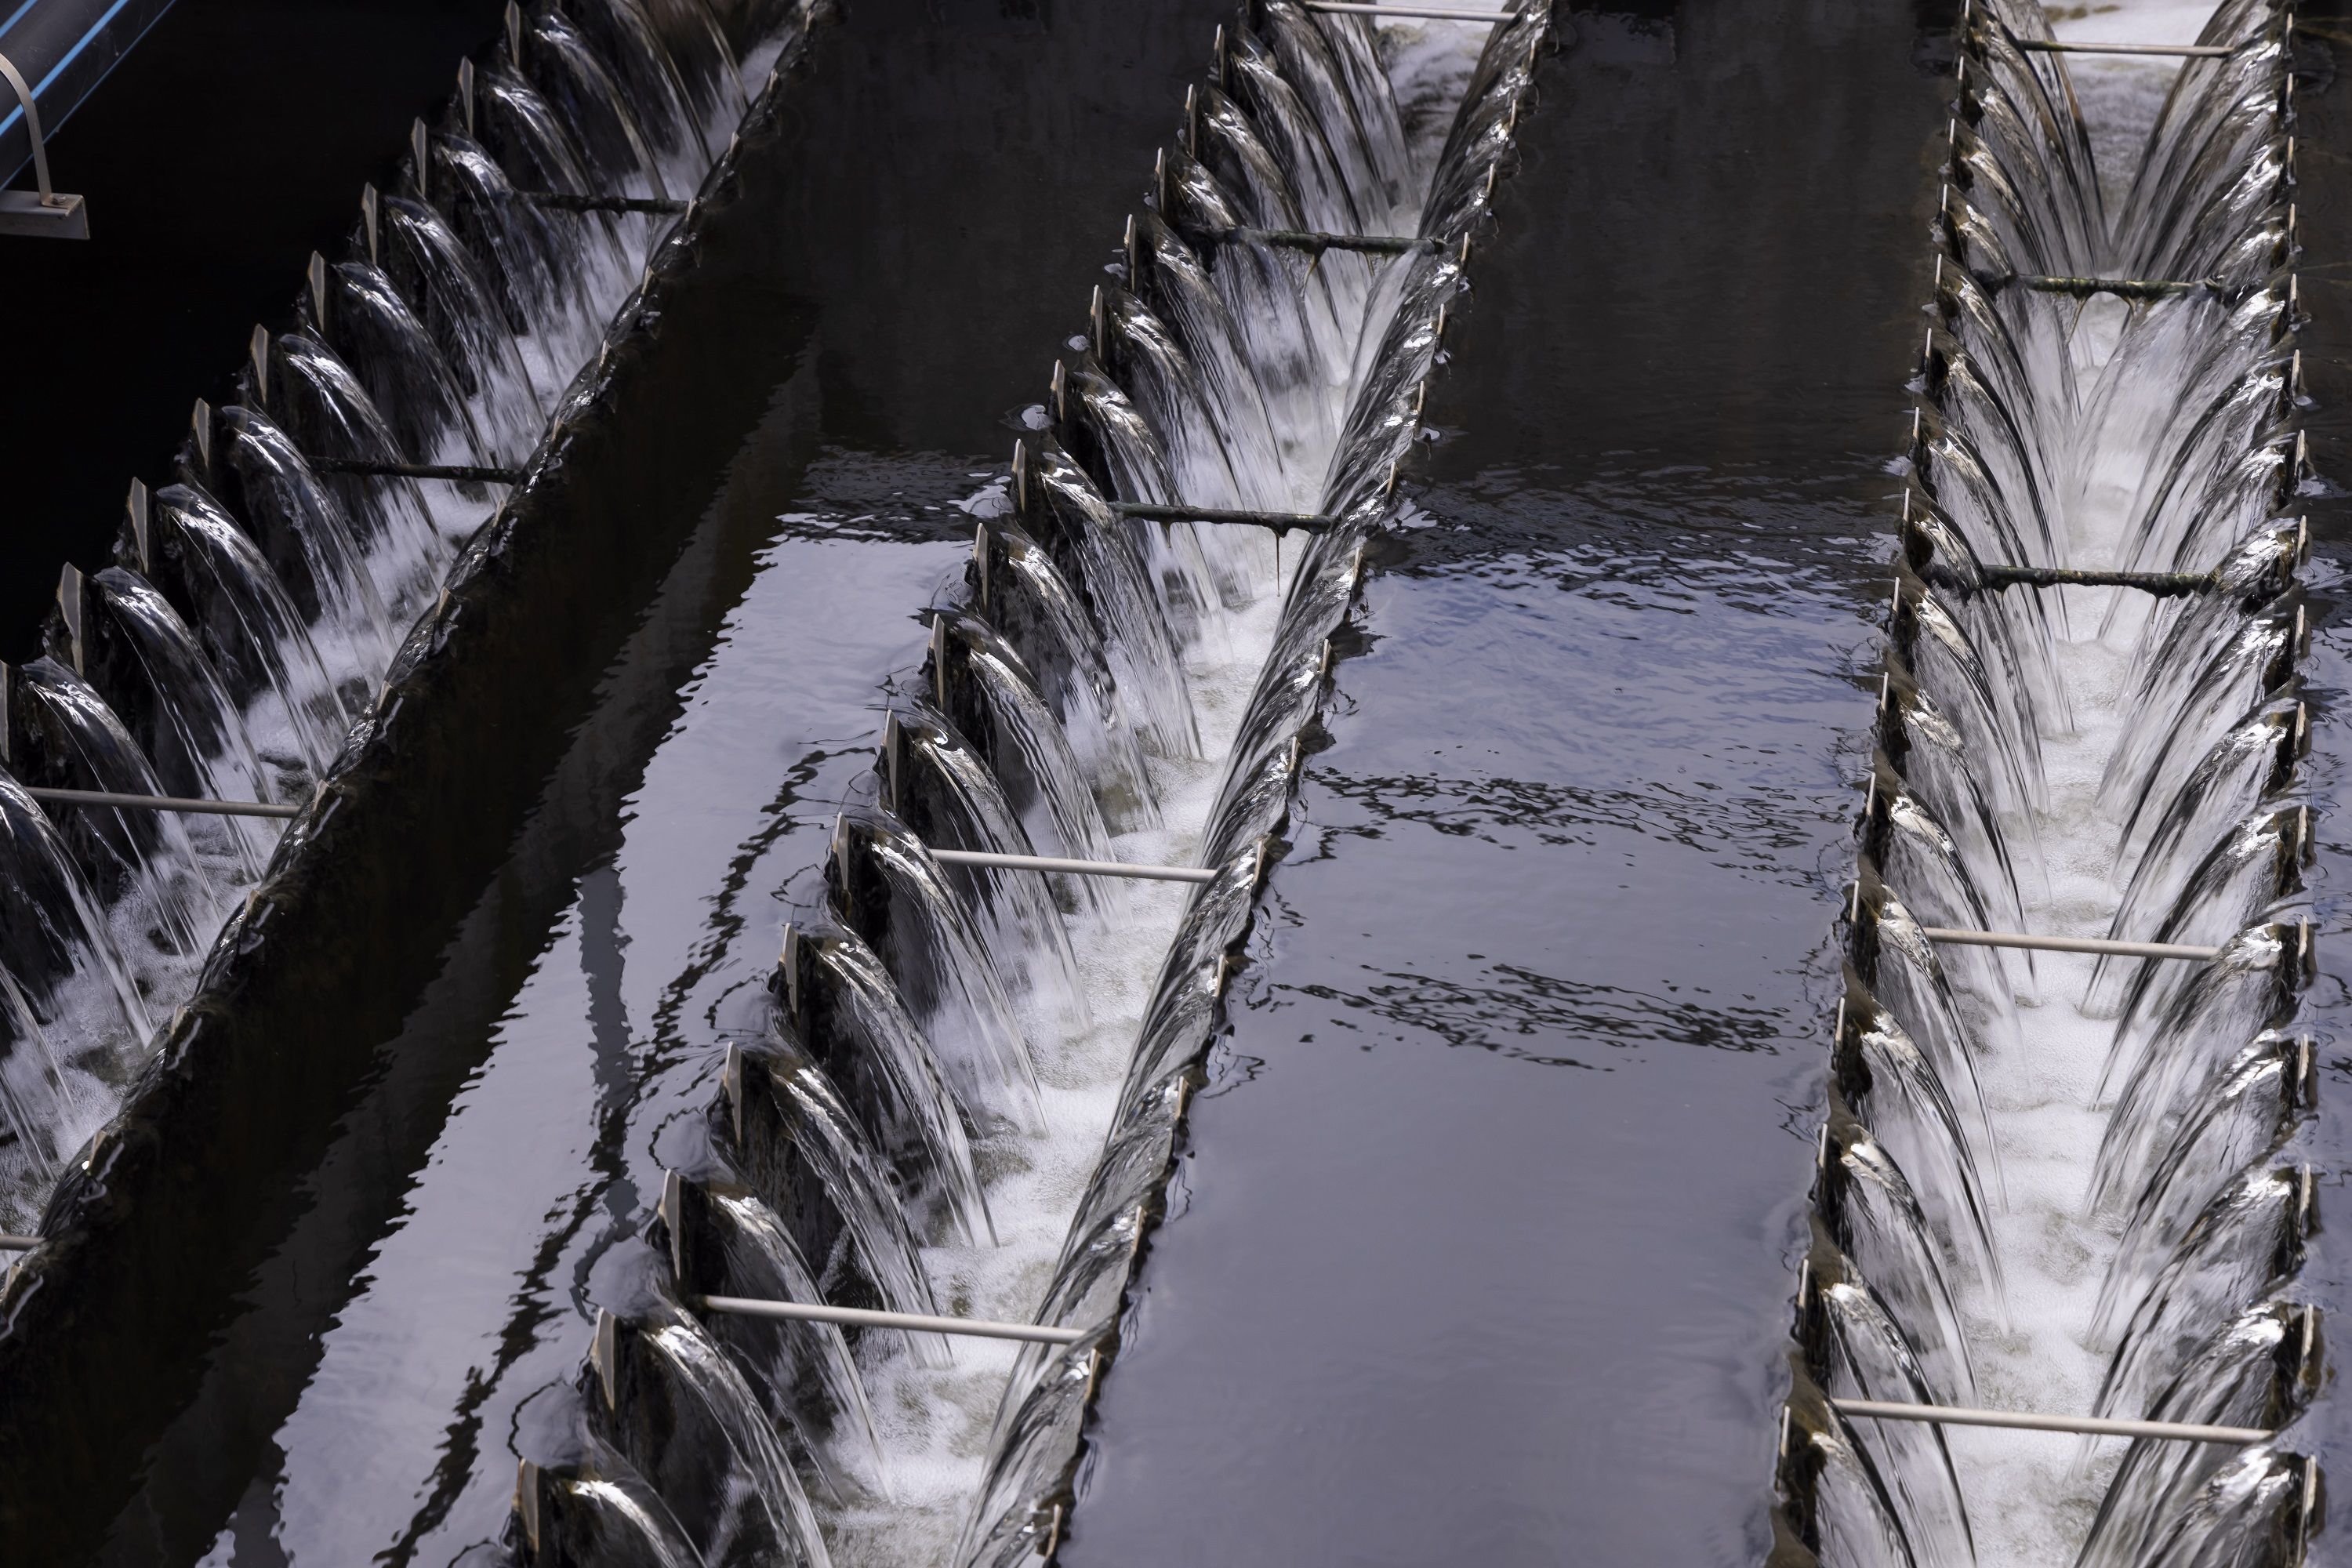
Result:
<point x="2094" y="1426"/>
<point x="2163" y="584"/>
<point x="18" y="1242"/>
<point x="165" y="803"/>
<point x="2122" y="287"/>
<point x="1076" y="867"/>
<point x="1151" y="512"/>
<point x="2179" y="51"/>
<point x="2068" y="943"/>
<point x="858" y="1318"/>
<point x="467" y="472"/>
<point x="563" y="201"/>
<point x="1318" y="242"/>
<point x="1433" y="13"/>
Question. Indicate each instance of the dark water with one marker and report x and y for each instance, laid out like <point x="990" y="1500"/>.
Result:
<point x="317" y="1333"/>
<point x="1484" y="1246"/>
<point x="228" y="147"/>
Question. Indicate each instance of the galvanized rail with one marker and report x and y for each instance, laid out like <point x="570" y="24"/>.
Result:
<point x="860" y="1318"/>
<point x="2026" y="1421"/>
<point x="162" y="803"/>
<point x="2098" y="944"/>
<point x="1128" y="869"/>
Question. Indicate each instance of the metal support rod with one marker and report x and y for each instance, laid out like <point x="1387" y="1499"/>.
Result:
<point x="18" y="1242"/>
<point x="2122" y="287"/>
<point x="2068" y="943"/>
<point x="859" y="1318"/>
<point x="1432" y="13"/>
<point x="2177" y="51"/>
<point x="2093" y="1426"/>
<point x="1076" y="867"/>
<point x="48" y="212"/>
<point x="1151" y="512"/>
<point x="564" y="201"/>
<point x="2163" y="584"/>
<point x="49" y="197"/>
<point x="1320" y="242"/>
<point x="163" y="803"/>
<point x="466" y="472"/>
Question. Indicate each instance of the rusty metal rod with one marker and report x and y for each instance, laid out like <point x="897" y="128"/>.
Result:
<point x="2176" y="51"/>
<point x="1318" y="242"/>
<point x="563" y="201"/>
<point x="2122" y="287"/>
<point x="368" y="466"/>
<point x="2163" y="584"/>
<point x="1430" y="13"/>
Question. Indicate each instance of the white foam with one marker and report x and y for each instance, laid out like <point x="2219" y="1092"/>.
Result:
<point x="2030" y="1496"/>
<point x="934" y="1424"/>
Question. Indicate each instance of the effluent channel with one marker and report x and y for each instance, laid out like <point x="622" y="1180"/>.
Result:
<point x="2051" y="1181"/>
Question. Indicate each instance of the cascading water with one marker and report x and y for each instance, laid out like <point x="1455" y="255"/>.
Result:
<point x="2052" y="1182"/>
<point x="959" y="1091"/>
<point x="255" y="603"/>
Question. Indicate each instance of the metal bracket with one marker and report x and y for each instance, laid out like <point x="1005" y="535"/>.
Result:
<point x="44" y="214"/>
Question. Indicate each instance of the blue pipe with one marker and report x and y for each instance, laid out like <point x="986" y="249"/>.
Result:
<point x="65" y="49"/>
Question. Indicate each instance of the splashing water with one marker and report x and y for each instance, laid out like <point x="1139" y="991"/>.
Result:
<point x="2082" y="760"/>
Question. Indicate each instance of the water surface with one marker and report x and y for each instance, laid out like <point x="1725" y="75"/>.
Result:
<point x="1483" y="1247"/>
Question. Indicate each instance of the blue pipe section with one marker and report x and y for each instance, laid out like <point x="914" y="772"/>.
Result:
<point x="64" y="49"/>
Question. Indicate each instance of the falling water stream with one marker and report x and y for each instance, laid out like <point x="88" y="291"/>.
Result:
<point x="954" y="1090"/>
<point x="959" y="1088"/>
<point x="256" y="603"/>
<point x="2050" y="1180"/>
